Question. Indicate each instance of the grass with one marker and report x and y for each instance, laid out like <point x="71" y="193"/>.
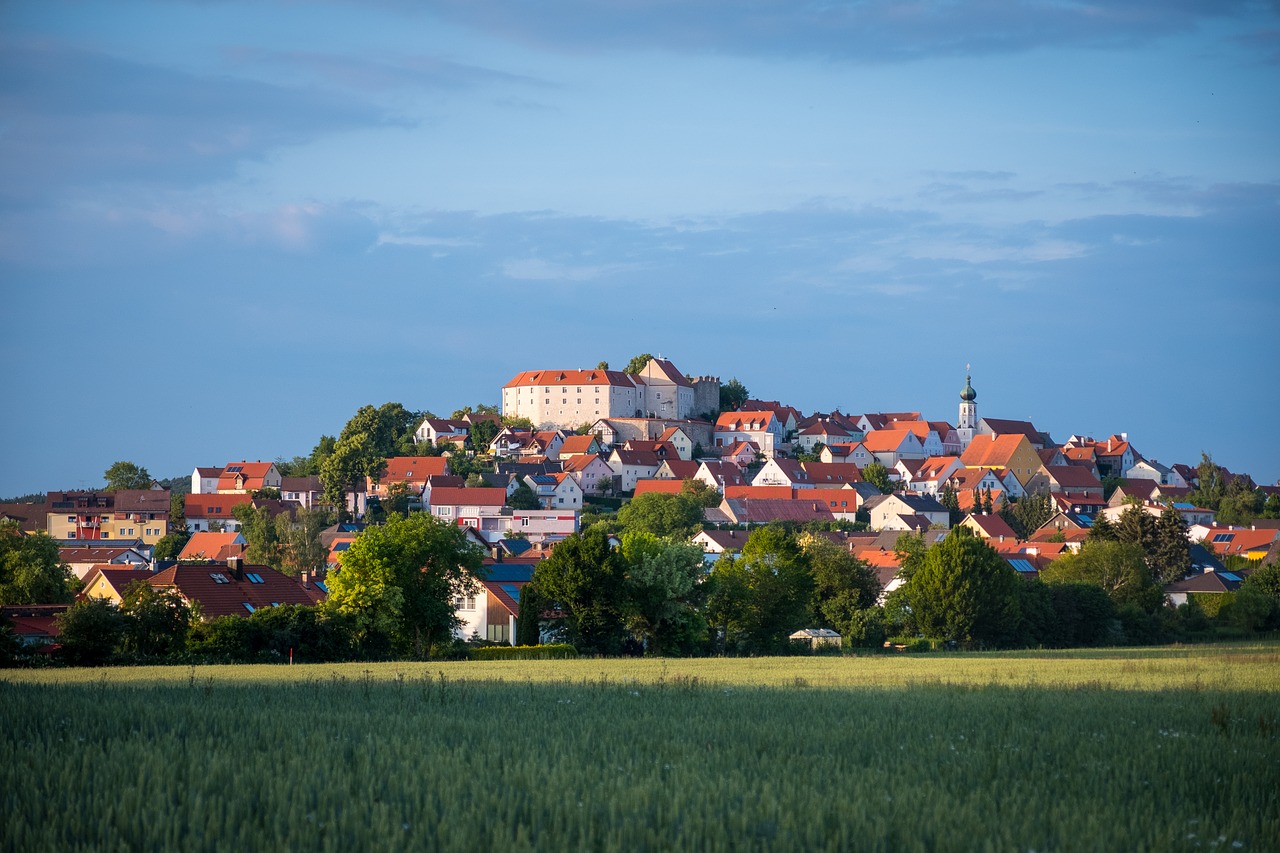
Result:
<point x="1115" y="750"/>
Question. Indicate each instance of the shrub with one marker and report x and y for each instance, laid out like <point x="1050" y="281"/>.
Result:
<point x="551" y="651"/>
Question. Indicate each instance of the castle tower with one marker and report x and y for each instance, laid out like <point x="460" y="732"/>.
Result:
<point x="967" y="425"/>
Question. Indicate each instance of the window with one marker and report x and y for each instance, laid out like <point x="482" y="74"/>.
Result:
<point x="219" y="577"/>
<point x="254" y="577"/>
<point x="524" y="522"/>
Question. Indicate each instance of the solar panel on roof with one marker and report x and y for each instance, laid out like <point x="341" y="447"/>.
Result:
<point x="1223" y="537"/>
<point x="510" y="589"/>
<point x="1231" y="576"/>
<point x="1022" y="565"/>
<point x="234" y="469"/>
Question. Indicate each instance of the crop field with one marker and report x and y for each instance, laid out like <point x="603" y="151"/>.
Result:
<point x="1158" y="749"/>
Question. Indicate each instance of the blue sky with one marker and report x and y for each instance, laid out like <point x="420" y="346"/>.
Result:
<point x="226" y="226"/>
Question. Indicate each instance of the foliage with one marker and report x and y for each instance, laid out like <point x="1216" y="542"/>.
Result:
<point x="843" y="585"/>
<point x="399" y="581"/>
<point x="31" y="572"/>
<point x="1170" y="554"/>
<point x="1028" y="513"/>
<point x="89" y="631"/>
<point x="661" y="514"/>
<point x="354" y="458"/>
<point x="661" y="592"/>
<point x="259" y="530"/>
<point x="523" y="498"/>
<point x="636" y="364"/>
<point x="298" y="540"/>
<point x="733" y="394"/>
<point x="1137" y="527"/>
<point x="757" y="600"/>
<point x="1118" y="568"/>
<point x="155" y="620"/>
<point x="699" y="491"/>
<point x="529" y="619"/>
<point x="126" y="475"/>
<point x="549" y="651"/>
<point x="949" y="499"/>
<point x="312" y="634"/>
<point x="878" y="476"/>
<point x="1103" y="529"/>
<point x="584" y="579"/>
<point x="964" y="591"/>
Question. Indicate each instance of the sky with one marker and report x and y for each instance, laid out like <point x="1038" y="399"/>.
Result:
<point x="226" y="226"/>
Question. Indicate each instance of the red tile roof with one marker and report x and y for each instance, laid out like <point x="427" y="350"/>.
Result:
<point x="744" y="421"/>
<point x="207" y="545"/>
<point x="229" y="597"/>
<point x="992" y="451"/>
<point x="414" y="469"/>
<point x="665" y="487"/>
<point x="571" y="377"/>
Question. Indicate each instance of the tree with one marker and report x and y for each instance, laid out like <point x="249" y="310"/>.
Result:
<point x="636" y="365"/>
<point x="31" y="571"/>
<point x="604" y="365"/>
<point x="1102" y="529"/>
<point x="1138" y="527"/>
<point x="1170" y="554"/>
<point x="529" y="619"/>
<point x="298" y="541"/>
<point x="699" y="491"/>
<point x="259" y="530"/>
<point x="478" y="409"/>
<point x="678" y="516"/>
<point x="354" y="458"/>
<point x="878" y="476"/>
<point x="1118" y="568"/>
<point x="89" y="631"/>
<point x="759" y="599"/>
<point x="155" y="620"/>
<point x="951" y="501"/>
<point x="965" y="592"/>
<point x="1029" y="513"/>
<point x="843" y="585"/>
<point x="585" y="580"/>
<point x="126" y="475"/>
<point x="661" y="581"/>
<point x="169" y="547"/>
<point x="398" y="498"/>
<point x="733" y="394"/>
<point x="399" y="581"/>
<point x="523" y="498"/>
<point x="389" y="428"/>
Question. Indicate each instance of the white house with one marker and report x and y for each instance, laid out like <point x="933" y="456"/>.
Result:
<point x="591" y="472"/>
<point x="556" y="491"/>
<point x="632" y="465"/>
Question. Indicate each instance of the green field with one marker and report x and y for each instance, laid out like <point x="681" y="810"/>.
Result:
<point x="1108" y="750"/>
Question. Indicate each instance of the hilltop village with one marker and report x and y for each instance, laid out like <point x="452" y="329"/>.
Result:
<point x="645" y="510"/>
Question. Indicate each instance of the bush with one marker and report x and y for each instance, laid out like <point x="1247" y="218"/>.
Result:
<point x="551" y="651"/>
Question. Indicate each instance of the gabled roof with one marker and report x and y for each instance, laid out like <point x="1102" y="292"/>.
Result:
<point x="993" y="451"/>
<point x="669" y="434"/>
<point x="759" y="492"/>
<point x="886" y="420"/>
<point x="832" y="473"/>
<point x="725" y="473"/>
<point x="114" y="554"/>
<point x="439" y="425"/>
<point x="765" y="510"/>
<point x="745" y="421"/>
<point x="207" y="545"/>
<point x="669" y="371"/>
<point x="576" y="445"/>
<point x="664" y="487"/>
<point x="826" y="428"/>
<point x="680" y="469"/>
<point x="888" y="440"/>
<point x="252" y="474"/>
<point x="571" y="377"/>
<point x="414" y="469"/>
<point x="115" y="578"/>
<point x="580" y="462"/>
<point x="220" y="593"/>
<point x="480" y="496"/>
<point x="739" y="448"/>
<point x="992" y="526"/>
<point x="1000" y="426"/>
<point x="143" y="500"/>
<point x="301" y="484"/>
<point x="1074" y="477"/>
<point x="1207" y="582"/>
<point x="640" y="458"/>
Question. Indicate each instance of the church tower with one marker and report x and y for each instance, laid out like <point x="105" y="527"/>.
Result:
<point x="967" y="426"/>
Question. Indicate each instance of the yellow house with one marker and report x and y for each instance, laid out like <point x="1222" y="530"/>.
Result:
<point x="1012" y="451"/>
<point x="110" y="582"/>
<point x="128" y="515"/>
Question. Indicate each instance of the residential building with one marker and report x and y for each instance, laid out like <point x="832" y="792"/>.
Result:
<point x="238" y="478"/>
<point x="764" y="428"/>
<point x="230" y="588"/>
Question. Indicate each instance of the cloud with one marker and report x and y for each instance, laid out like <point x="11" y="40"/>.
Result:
<point x="538" y="269"/>
<point x="81" y="118"/>
<point x="874" y="30"/>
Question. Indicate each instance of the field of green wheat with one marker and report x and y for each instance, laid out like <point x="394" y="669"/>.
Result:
<point x="1113" y="750"/>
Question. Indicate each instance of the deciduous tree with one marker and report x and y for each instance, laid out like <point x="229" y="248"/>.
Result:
<point x="843" y="585"/>
<point x="964" y="591"/>
<point x="1118" y="568"/>
<point x="733" y="394"/>
<point x="126" y="475"/>
<point x="584" y="579"/>
<point x="661" y="514"/>
<point x="660" y="591"/>
<point x="31" y="571"/>
<point x="155" y="620"/>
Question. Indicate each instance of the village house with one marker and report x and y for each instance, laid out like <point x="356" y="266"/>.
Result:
<point x="412" y="471"/>
<point x="592" y="473"/>
<point x="763" y="429"/>
<point x="435" y="430"/>
<point x="888" y="446"/>
<point x="306" y="492"/>
<point x="110" y="582"/>
<point x="230" y="588"/>
<point x="781" y="471"/>
<point x="719" y="474"/>
<point x="240" y="478"/>
<point x="905" y="511"/>
<point x="631" y="465"/>
<point x="556" y="491"/>
<point x="85" y="556"/>
<point x="212" y="512"/>
<point x="208" y="545"/>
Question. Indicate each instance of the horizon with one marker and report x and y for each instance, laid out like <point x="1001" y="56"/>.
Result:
<point x="227" y="226"/>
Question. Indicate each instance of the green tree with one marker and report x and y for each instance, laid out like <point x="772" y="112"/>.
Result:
<point x="733" y="394"/>
<point x="126" y="475"/>
<point x="156" y="620"/>
<point x="843" y="585"/>
<point x="529" y="619"/>
<point x="1118" y="568"/>
<point x="660" y="592"/>
<point x="951" y="501"/>
<point x="169" y="547"/>
<point x="965" y="592"/>
<point x="635" y="365"/>
<point x="759" y="599"/>
<point x="1137" y="527"/>
<point x="1170" y="555"/>
<point x="399" y="581"/>
<point x="699" y="491"/>
<point x="878" y="476"/>
<point x="89" y="631"/>
<point x="389" y="429"/>
<point x="1103" y="529"/>
<point x="585" y="579"/>
<point x="298" y="541"/>
<point x="1029" y="513"/>
<point x="354" y="458"/>
<point x="523" y="498"/>
<point x="678" y="516"/>
<point x="478" y="409"/>
<point x="604" y="365"/>
<point x="259" y="530"/>
<point x="31" y="571"/>
<point x="398" y="498"/>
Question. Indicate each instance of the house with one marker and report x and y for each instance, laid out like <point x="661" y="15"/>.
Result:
<point x="667" y="392"/>
<point x="212" y="512"/>
<point x="787" y="416"/>
<point x="592" y="473"/>
<point x="579" y="445"/>
<point x="208" y="545"/>
<point x="763" y="428"/>
<point x="490" y="609"/>
<point x="1013" y="452"/>
<point x="230" y="588"/>
<point x="1193" y="515"/>
<point x="1116" y="456"/>
<point x="413" y="471"/>
<point x="110" y="582"/>
<point x="35" y="626"/>
<point x="769" y="510"/>
<point x="631" y="465"/>
<point x="238" y="478"/>
<point x="827" y="475"/>
<point x="930" y="435"/>
<point x="127" y="515"/>
<point x="485" y="510"/>
<point x="204" y="481"/>
<point x="615" y="431"/>
<point x="1205" y="583"/>
<point x="677" y="469"/>
<point x="717" y="542"/>
<point x="1251" y="543"/>
<point x="741" y="453"/>
<point x="826" y="433"/>
<point x="680" y="440"/>
<point x="989" y="527"/>
<point x="84" y="558"/>
<point x="904" y="511"/>
<point x="664" y="487"/>
<point x="847" y="454"/>
<point x="720" y="473"/>
<point x="567" y="398"/>
<point x="998" y="426"/>
<point x="139" y="514"/>
<point x="1073" y="481"/>
<point x="556" y="491"/>
<point x="306" y="492"/>
<point x="932" y="474"/>
<point x="781" y="471"/>
<point x="78" y="514"/>
<point x="434" y="430"/>
<point x="884" y="420"/>
<point x="890" y="445"/>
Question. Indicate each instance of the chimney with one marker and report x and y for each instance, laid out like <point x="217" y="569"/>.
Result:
<point x="305" y="580"/>
<point x="236" y="566"/>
